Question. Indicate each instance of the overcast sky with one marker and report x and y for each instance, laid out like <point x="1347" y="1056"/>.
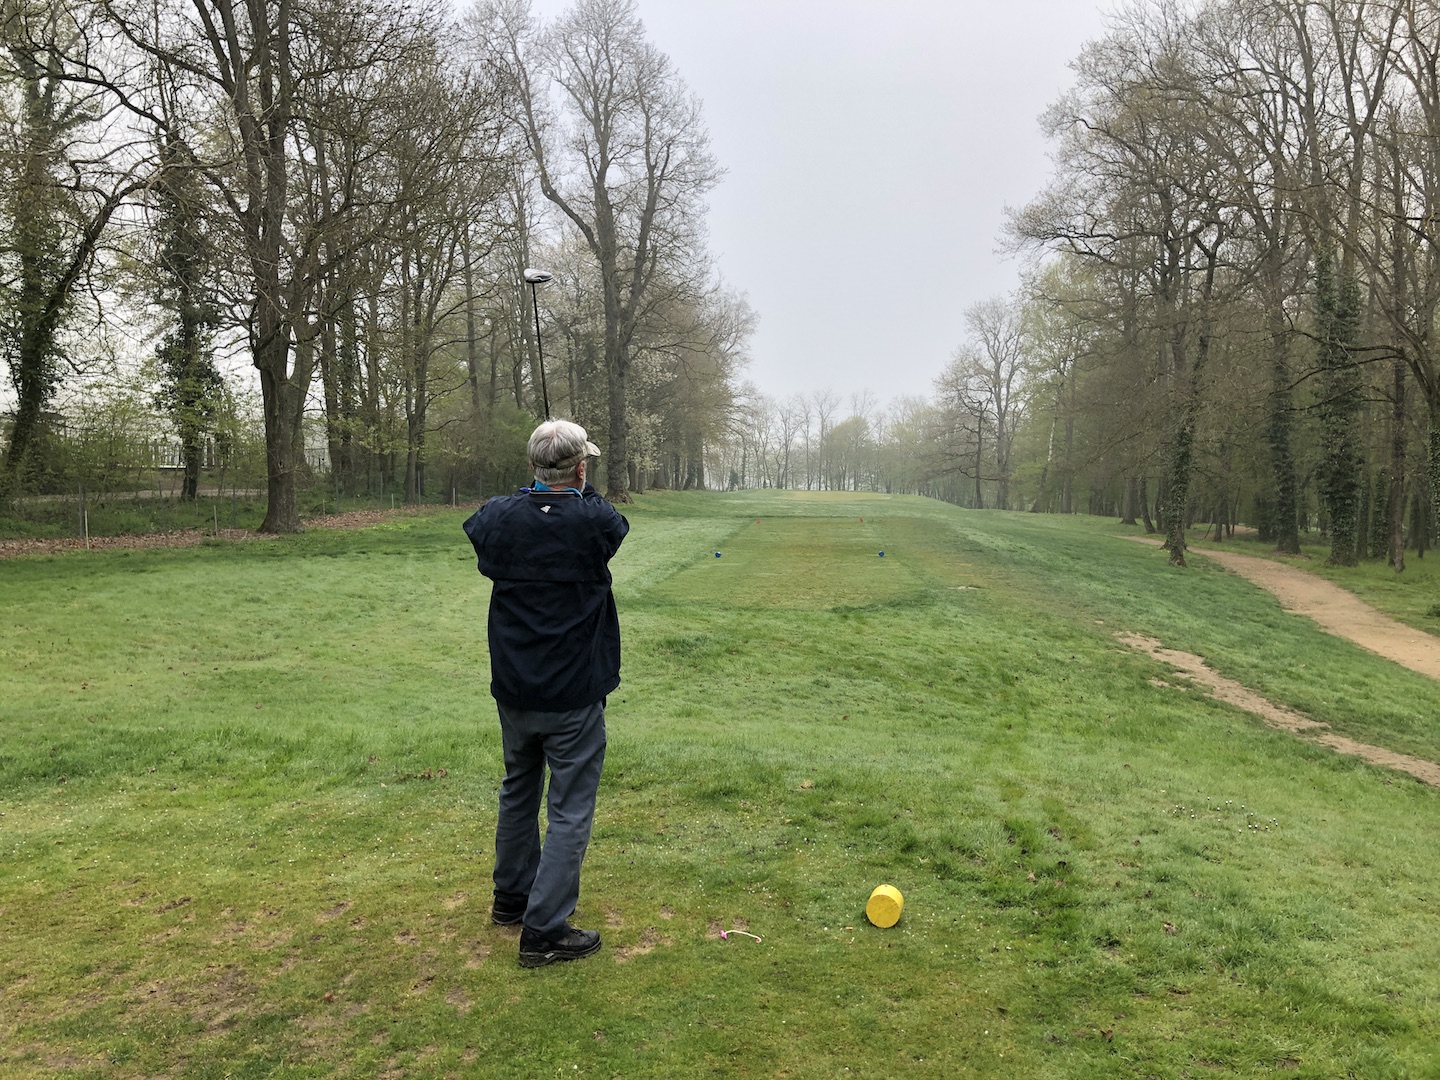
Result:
<point x="871" y="149"/>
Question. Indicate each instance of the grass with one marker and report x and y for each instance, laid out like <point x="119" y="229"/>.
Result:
<point x="139" y="512"/>
<point x="247" y="795"/>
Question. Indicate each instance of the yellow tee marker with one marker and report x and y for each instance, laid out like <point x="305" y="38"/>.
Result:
<point x="885" y="906"/>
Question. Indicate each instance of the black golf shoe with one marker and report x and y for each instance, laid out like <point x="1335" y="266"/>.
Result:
<point x="508" y="910"/>
<point x="572" y="944"/>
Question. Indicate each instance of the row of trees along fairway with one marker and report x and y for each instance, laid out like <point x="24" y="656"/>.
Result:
<point x="343" y="199"/>
<point x="1231" y="304"/>
<point x="1244" y="211"/>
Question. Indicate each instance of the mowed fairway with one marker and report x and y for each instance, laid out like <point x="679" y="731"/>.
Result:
<point x="247" y="795"/>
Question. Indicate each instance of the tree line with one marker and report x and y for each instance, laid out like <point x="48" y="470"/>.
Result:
<point x="1227" y="312"/>
<point x="1230" y="299"/>
<point x="346" y="198"/>
<point x="1243" y="223"/>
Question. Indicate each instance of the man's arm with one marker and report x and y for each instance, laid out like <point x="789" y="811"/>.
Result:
<point x="612" y="523"/>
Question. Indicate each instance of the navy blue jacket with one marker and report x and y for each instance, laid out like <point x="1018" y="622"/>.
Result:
<point x="554" y="631"/>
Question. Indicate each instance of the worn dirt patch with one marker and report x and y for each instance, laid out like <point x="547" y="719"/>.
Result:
<point x="217" y="1001"/>
<point x="1278" y="716"/>
<point x="333" y="912"/>
<point x="649" y="939"/>
<point x="359" y="519"/>
<point x="476" y="953"/>
<point x="1336" y="610"/>
<point x="231" y="931"/>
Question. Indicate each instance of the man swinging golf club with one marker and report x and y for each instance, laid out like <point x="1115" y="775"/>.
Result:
<point x="554" y="656"/>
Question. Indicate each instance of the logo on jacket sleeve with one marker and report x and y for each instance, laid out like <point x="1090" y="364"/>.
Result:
<point x="544" y="509"/>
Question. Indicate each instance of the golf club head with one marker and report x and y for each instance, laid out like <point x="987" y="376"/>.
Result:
<point x="537" y="277"/>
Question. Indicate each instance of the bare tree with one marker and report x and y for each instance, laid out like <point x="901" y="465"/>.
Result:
<point x="622" y="152"/>
<point x="69" y="163"/>
<point x="964" y="408"/>
<point x="997" y="330"/>
<point x="250" y="72"/>
<point x="1403" y="261"/>
<point x="1137" y="186"/>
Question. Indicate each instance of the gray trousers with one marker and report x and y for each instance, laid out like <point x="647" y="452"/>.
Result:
<point x="546" y="880"/>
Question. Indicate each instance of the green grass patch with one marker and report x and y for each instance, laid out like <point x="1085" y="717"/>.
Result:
<point x="131" y="513"/>
<point x="248" y="793"/>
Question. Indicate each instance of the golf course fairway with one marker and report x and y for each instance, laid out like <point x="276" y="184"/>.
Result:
<point x="247" y="798"/>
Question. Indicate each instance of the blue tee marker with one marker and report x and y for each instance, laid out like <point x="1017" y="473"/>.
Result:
<point x="717" y="554"/>
<point x="882" y="554"/>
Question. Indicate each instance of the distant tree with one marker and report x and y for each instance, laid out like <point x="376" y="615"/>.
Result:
<point x="966" y="424"/>
<point x="1401" y="254"/>
<point x="997" y="335"/>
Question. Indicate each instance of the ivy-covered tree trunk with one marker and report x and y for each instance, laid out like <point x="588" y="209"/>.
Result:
<point x="1181" y="465"/>
<point x="1337" y="317"/>
<point x="1186" y="373"/>
<point x="1395" y="541"/>
<point x="191" y="386"/>
<point x="35" y="300"/>
<point x="1365" y="518"/>
<point x="1435" y="454"/>
<point x="1279" y="421"/>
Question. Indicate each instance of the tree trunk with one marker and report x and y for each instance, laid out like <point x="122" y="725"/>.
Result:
<point x="1435" y="455"/>
<point x="618" y="481"/>
<point x="1396" y="496"/>
<point x="1337" y="314"/>
<point x="32" y="391"/>
<point x="1419" y="522"/>
<point x="348" y="363"/>
<point x="1178" y="489"/>
<point x="979" y="464"/>
<point x="279" y="403"/>
<point x="494" y="369"/>
<point x="1279" y="423"/>
<point x="330" y="387"/>
<point x="375" y="447"/>
<point x="190" y="403"/>
<point x="472" y="340"/>
<point x="1186" y="376"/>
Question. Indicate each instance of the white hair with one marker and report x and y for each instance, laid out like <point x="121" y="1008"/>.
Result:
<point x="555" y="450"/>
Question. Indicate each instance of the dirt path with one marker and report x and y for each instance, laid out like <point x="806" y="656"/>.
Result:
<point x="1336" y="610"/>
<point x="1277" y="716"/>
